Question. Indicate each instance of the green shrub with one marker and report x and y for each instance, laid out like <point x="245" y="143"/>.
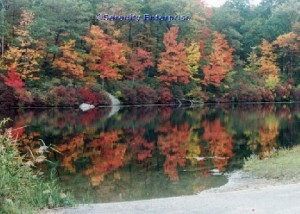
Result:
<point x="196" y="94"/>
<point x="97" y="87"/>
<point x="21" y="189"/>
<point x="177" y="91"/>
<point x="118" y="94"/>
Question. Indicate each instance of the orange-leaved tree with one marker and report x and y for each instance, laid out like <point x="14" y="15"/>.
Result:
<point x="172" y="67"/>
<point x="139" y="61"/>
<point x="290" y="41"/>
<point x="268" y="59"/>
<point x="105" y="56"/>
<point x="288" y="46"/>
<point x="70" y="61"/>
<point x="220" y="61"/>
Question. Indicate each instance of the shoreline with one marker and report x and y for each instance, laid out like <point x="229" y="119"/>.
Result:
<point x="152" y="105"/>
<point x="243" y="193"/>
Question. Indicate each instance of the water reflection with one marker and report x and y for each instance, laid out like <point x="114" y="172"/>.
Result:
<point x="220" y="142"/>
<point x="149" y="152"/>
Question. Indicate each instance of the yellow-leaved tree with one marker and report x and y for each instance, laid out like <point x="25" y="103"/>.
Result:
<point x="194" y="56"/>
<point x="70" y="60"/>
<point x="268" y="67"/>
<point x="268" y="59"/>
<point x="25" y="52"/>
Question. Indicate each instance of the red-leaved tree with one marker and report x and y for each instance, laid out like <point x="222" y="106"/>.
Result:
<point x="172" y="66"/>
<point x="139" y="61"/>
<point x="13" y="79"/>
<point x="105" y="56"/>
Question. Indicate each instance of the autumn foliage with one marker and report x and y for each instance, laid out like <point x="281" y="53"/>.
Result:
<point x="140" y="61"/>
<point x="13" y="79"/>
<point x="154" y="139"/>
<point x="172" y="67"/>
<point x="71" y="152"/>
<point x="267" y="136"/>
<point x="173" y="145"/>
<point x="193" y="62"/>
<point x="25" y="54"/>
<point x="106" y="155"/>
<point x="221" y="143"/>
<point x="220" y="61"/>
<point x="268" y="60"/>
<point x="140" y="148"/>
<point x="56" y="54"/>
<point x="213" y="57"/>
<point x="91" y="97"/>
<point x="105" y="55"/>
<point x="70" y="61"/>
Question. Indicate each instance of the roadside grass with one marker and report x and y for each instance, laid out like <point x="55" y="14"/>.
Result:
<point x="21" y="189"/>
<point x="283" y="164"/>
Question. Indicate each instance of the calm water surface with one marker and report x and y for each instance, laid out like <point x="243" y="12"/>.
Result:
<point x="105" y="155"/>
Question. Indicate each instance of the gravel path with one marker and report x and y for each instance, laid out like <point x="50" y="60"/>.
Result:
<point x="243" y="194"/>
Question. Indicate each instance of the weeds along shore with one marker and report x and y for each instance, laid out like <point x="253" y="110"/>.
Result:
<point x="22" y="189"/>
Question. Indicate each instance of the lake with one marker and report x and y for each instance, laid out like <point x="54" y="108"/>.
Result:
<point x="134" y="153"/>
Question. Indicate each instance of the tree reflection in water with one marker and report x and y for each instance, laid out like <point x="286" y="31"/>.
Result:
<point x="140" y="152"/>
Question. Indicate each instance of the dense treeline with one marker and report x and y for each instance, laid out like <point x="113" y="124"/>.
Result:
<point x="56" y="53"/>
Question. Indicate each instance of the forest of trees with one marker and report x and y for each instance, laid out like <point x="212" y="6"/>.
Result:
<point x="56" y="53"/>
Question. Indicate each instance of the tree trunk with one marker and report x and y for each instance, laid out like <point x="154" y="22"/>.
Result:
<point x="2" y="36"/>
<point x="147" y="71"/>
<point x="2" y="45"/>
<point x="56" y="43"/>
<point x="129" y="34"/>
<point x="291" y="70"/>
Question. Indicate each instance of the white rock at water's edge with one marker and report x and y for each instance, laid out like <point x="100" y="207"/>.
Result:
<point x="86" y="107"/>
<point x="113" y="99"/>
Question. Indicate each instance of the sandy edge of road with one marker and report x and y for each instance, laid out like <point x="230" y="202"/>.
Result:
<point x="242" y="194"/>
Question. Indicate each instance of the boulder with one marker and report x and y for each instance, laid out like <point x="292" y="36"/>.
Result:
<point x="86" y="107"/>
<point x="113" y="99"/>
